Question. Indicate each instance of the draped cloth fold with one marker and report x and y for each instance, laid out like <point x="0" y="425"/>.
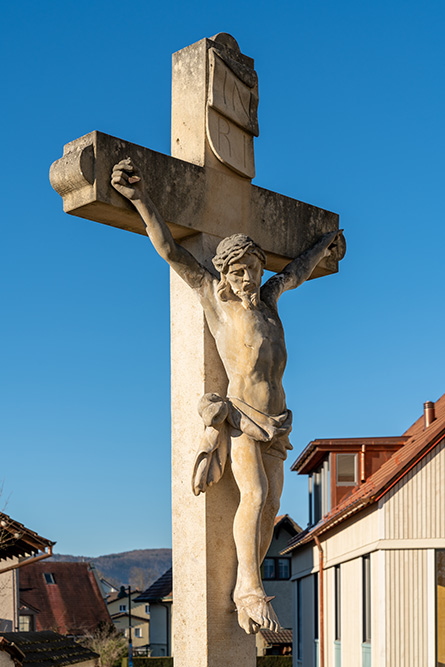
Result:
<point x="225" y="418"/>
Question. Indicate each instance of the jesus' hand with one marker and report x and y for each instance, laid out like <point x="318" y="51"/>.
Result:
<point x="126" y="180"/>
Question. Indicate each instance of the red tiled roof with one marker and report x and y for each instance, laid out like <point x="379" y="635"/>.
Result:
<point x="72" y="605"/>
<point x="420" y="442"/>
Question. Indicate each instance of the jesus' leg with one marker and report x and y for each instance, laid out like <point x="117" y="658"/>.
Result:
<point x="254" y="609"/>
<point x="274" y="468"/>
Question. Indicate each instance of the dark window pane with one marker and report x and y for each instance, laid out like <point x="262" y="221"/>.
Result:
<point x="346" y="465"/>
<point x="316" y="611"/>
<point x="269" y="568"/>
<point x="366" y="599"/>
<point x="337" y="603"/>
<point x="283" y="568"/>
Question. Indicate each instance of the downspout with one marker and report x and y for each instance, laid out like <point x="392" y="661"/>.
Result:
<point x="27" y="561"/>
<point x="321" y="598"/>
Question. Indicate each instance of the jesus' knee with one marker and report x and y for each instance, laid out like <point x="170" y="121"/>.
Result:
<point x="254" y="500"/>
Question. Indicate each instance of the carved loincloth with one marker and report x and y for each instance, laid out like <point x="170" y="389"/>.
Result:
<point x="225" y="418"/>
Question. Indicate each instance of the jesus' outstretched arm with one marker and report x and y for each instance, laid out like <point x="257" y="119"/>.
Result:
<point x="300" y="269"/>
<point x="127" y="181"/>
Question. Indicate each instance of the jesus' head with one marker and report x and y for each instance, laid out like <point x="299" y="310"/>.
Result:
<point x="240" y="262"/>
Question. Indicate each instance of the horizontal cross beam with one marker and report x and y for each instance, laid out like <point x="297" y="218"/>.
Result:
<point x="190" y="198"/>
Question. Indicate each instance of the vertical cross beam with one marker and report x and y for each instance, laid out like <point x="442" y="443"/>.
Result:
<point x="206" y="631"/>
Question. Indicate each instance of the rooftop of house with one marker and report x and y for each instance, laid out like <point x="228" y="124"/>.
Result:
<point x="122" y="595"/>
<point x="312" y="456"/>
<point x="418" y="441"/>
<point x="283" y="636"/>
<point x="125" y="614"/>
<point x="286" y="521"/>
<point x="44" y="649"/>
<point x="18" y="541"/>
<point x="161" y="589"/>
<point x="66" y="595"/>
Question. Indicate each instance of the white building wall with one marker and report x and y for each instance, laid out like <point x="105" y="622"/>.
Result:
<point x="415" y="506"/>
<point x="351" y="577"/>
<point x="9" y="599"/>
<point x="407" y="607"/>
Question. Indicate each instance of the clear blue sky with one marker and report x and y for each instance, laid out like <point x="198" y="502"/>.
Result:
<point x="352" y="109"/>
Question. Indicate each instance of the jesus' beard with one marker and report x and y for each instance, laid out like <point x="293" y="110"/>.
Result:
<point x="249" y="300"/>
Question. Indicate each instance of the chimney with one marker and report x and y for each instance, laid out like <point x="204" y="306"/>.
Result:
<point x="428" y="414"/>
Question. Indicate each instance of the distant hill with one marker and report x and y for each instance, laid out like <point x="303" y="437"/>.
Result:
<point x="138" y="568"/>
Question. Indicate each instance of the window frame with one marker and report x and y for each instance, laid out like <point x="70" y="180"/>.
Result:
<point x="337" y="603"/>
<point x="366" y="600"/>
<point x="276" y="568"/>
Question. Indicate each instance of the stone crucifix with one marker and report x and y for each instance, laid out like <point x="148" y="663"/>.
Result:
<point x="218" y="232"/>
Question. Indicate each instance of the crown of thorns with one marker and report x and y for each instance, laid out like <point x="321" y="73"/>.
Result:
<point x="232" y="248"/>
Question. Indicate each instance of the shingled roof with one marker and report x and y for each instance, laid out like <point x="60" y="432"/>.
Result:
<point x="160" y="590"/>
<point x="45" y="649"/>
<point x="418" y="444"/>
<point x="72" y="605"/>
<point x="283" y="636"/>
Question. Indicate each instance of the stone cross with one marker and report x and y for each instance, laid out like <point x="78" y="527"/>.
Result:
<point x="204" y="193"/>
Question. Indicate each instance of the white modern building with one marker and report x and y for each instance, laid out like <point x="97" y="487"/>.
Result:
<point x="369" y="571"/>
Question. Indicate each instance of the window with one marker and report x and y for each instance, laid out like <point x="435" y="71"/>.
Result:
<point x="147" y="608"/>
<point x="269" y="568"/>
<point x="25" y="623"/>
<point x="337" y="602"/>
<point x="346" y="469"/>
<point x="49" y="578"/>
<point x="276" y="568"/>
<point x="366" y="567"/>
<point x="319" y="493"/>
<point x="122" y="607"/>
<point x="316" y="611"/>
<point x="284" y="568"/>
<point x="299" y="621"/>
<point x="138" y="632"/>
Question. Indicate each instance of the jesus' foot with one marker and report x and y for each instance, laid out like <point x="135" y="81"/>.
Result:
<point x="255" y="612"/>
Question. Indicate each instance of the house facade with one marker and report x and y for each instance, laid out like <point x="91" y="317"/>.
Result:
<point x="119" y="609"/>
<point x="369" y="571"/>
<point x="159" y="596"/>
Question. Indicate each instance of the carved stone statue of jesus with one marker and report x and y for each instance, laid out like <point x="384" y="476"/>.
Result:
<point x="251" y="425"/>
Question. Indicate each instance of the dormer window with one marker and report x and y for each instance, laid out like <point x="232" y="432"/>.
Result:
<point x="49" y="578"/>
<point x="346" y="469"/>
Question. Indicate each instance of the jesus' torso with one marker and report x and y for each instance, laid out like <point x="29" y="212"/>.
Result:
<point x="251" y="345"/>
